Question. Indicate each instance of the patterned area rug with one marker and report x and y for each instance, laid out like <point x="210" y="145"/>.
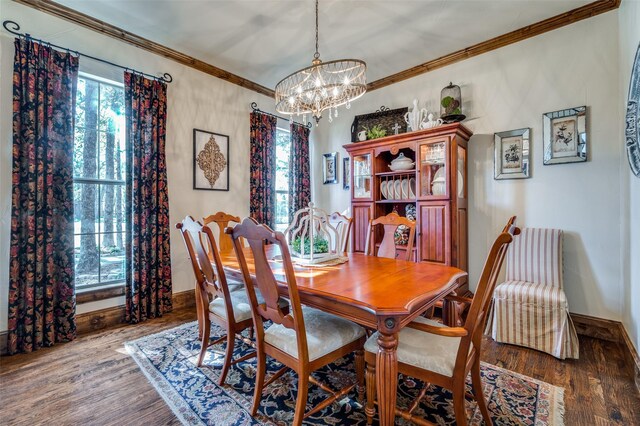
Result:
<point x="168" y="359"/>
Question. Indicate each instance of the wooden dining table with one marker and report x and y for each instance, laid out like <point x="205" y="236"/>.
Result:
<point x="378" y="293"/>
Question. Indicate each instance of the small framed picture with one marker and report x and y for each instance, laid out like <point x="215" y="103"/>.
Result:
<point x="512" y="154"/>
<point x="346" y="173"/>
<point x="210" y="161"/>
<point x="330" y="167"/>
<point x="565" y="136"/>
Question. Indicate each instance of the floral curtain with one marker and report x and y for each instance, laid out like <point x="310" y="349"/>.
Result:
<point x="148" y="290"/>
<point x="299" y="175"/>
<point x="262" y="203"/>
<point x="41" y="279"/>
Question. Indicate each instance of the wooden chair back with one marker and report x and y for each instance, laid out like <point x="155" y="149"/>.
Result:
<point x="258" y="236"/>
<point x="475" y="320"/>
<point x="387" y="248"/>
<point x="222" y="219"/>
<point x="343" y="226"/>
<point x="202" y="249"/>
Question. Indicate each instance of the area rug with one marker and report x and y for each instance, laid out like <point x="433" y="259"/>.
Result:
<point x="168" y="359"/>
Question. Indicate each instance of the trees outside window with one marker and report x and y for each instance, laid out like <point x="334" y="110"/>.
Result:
<point x="99" y="183"/>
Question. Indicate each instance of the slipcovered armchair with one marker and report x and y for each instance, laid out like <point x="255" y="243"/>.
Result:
<point x="530" y="308"/>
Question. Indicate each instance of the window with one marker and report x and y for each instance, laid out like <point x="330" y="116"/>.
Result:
<point x="99" y="166"/>
<point x="283" y="147"/>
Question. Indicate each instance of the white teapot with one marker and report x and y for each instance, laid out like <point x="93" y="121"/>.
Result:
<point x="430" y="122"/>
<point x="362" y="135"/>
<point x="416" y="116"/>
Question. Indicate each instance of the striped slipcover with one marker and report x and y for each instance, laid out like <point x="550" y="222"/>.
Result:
<point x="530" y="308"/>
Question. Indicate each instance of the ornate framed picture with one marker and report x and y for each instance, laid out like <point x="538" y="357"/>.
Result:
<point x="632" y="128"/>
<point x="346" y="173"/>
<point x="330" y="167"/>
<point x="565" y="136"/>
<point x="210" y="161"/>
<point x="511" y="159"/>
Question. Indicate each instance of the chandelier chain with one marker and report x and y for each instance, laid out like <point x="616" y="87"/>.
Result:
<point x="317" y="54"/>
<point x="321" y="86"/>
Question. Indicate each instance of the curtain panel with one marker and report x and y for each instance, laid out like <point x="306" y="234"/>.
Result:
<point x="299" y="174"/>
<point x="262" y="202"/>
<point x="148" y="287"/>
<point x="41" y="279"/>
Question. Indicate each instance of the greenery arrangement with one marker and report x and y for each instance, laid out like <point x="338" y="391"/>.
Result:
<point x="376" y="132"/>
<point x="451" y="105"/>
<point x="320" y="245"/>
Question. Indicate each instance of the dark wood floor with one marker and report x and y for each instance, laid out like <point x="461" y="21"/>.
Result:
<point x="92" y="381"/>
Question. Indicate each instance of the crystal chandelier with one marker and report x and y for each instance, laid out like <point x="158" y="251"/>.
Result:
<point x="323" y="85"/>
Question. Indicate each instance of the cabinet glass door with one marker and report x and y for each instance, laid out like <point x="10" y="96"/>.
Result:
<point x="362" y="180"/>
<point x="433" y="169"/>
<point x="462" y="172"/>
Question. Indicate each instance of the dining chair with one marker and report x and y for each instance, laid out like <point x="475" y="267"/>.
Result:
<point x="387" y="247"/>
<point x="453" y="313"/>
<point x="304" y="340"/>
<point x="530" y="307"/>
<point x="342" y="224"/>
<point x="229" y="309"/>
<point x="222" y="219"/>
<point x="442" y="355"/>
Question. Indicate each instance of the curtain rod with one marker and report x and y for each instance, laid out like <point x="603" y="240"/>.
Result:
<point x="15" y="28"/>
<point x="254" y="107"/>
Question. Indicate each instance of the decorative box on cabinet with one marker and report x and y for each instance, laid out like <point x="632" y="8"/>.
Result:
<point x="436" y="186"/>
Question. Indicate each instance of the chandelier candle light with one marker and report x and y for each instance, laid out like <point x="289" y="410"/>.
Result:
<point x="323" y="85"/>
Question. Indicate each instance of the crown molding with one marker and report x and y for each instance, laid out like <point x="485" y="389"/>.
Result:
<point x="550" y="24"/>
<point x="97" y="25"/>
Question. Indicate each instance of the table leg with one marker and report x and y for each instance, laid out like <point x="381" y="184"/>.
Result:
<point x="387" y="371"/>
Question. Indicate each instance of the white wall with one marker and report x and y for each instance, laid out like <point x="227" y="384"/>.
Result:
<point x="629" y="21"/>
<point x="511" y="88"/>
<point x="195" y="100"/>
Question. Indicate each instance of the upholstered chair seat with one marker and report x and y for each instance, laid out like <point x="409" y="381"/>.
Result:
<point x="240" y="303"/>
<point x="325" y="333"/>
<point x="423" y="350"/>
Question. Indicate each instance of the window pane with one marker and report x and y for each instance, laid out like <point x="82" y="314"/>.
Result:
<point x="86" y="208"/>
<point x="112" y="259"/>
<point x="88" y="99"/>
<point x="85" y="153"/>
<point x="111" y="107"/>
<point x="113" y="206"/>
<point x="283" y="148"/>
<point x="87" y="260"/>
<point x="282" y="207"/>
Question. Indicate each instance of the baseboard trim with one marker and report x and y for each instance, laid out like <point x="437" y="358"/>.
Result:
<point x="97" y="320"/>
<point x="632" y="355"/>
<point x="613" y="331"/>
<point x="598" y="328"/>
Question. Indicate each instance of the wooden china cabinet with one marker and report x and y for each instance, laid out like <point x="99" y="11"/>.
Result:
<point x="436" y="185"/>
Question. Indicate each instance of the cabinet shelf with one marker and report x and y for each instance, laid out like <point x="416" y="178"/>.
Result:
<point x="397" y="173"/>
<point x="395" y="201"/>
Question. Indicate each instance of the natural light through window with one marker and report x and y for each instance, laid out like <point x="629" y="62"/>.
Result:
<point x="283" y="147"/>
<point x="99" y="166"/>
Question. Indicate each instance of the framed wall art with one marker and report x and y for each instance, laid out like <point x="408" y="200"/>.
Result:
<point x="330" y="167"/>
<point x="632" y="128"/>
<point x="210" y="161"/>
<point x="390" y="120"/>
<point x="511" y="159"/>
<point x="346" y="173"/>
<point x="565" y="136"/>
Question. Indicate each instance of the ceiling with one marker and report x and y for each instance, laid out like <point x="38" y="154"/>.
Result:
<point x="265" y="40"/>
